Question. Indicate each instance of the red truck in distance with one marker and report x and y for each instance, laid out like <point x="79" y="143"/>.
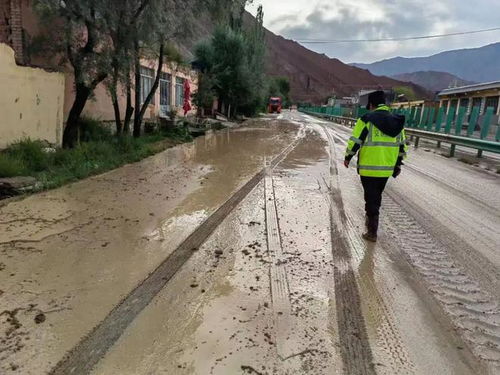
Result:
<point x="275" y="105"/>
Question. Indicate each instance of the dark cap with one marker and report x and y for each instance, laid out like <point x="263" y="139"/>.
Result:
<point x="376" y="98"/>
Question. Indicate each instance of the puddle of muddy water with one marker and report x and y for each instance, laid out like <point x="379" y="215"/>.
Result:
<point x="113" y="230"/>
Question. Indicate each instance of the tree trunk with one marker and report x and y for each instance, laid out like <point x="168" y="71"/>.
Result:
<point x="114" y="98"/>
<point x="130" y="110"/>
<point x="137" y="119"/>
<point x="71" y="132"/>
<point x="118" y="121"/>
<point x="139" y="116"/>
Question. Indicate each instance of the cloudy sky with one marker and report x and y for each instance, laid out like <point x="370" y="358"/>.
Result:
<point x="360" y="19"/>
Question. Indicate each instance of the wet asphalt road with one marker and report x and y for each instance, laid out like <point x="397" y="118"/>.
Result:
<point x="241" y="254"/>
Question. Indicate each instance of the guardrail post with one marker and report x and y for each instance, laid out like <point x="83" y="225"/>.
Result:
<point x="452" y="150"/>
<point x="417" y="141"/>
<point x="497" y="137"/>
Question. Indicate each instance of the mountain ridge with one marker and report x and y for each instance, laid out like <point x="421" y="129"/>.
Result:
<point x="433" y="80"/>
<point x="314" y="77"/>
<point x="471" y="64"/>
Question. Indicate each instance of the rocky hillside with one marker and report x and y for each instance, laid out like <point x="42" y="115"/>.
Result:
<point x="313" y="77"/>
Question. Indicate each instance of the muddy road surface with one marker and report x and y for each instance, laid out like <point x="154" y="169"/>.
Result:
<point x="241" y="253"/>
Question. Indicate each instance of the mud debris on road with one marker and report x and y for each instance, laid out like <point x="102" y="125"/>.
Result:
<point x="241" y="254"/>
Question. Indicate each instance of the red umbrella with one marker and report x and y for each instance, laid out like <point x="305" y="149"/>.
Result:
<point x="187" y="97"/>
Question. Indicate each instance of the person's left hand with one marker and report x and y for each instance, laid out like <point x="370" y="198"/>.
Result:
<point x="346" y="163"/>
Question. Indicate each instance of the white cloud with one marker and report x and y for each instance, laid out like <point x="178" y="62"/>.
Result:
<point x="350" y="19"/>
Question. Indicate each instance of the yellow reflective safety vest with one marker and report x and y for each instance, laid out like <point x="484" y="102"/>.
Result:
<point x="379" y="137"/>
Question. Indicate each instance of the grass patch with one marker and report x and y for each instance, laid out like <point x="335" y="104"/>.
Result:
<point x="11" y="166"/>
<point x="99" y="151"/>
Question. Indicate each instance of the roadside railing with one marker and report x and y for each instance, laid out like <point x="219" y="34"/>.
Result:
<point x="451" y="128"/>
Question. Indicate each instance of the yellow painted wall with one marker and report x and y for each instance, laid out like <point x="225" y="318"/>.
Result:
<point x="31" y="102"/>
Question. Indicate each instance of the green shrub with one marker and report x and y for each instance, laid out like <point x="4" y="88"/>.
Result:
<point x="93" y="130"/>
<point x="101" y="151"/>
<point x="180" y="133"/>
<point x="31" y="154"/>
<point x="11" y="166"/>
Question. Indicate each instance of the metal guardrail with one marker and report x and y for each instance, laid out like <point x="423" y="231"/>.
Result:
<point x="339" y="119"/>
<point x="454" y="140"/>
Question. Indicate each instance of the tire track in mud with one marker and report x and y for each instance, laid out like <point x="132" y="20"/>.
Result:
<point x="355" y="347"/>
<point x="474" y="313"/>
<point x="280" y="291"/>
<point x="82" y="358"/>
<point x="480" y="267"/>
<point x="456" y="189"/>
<point x="387" y="333"/>
<point x="388" y="336"/>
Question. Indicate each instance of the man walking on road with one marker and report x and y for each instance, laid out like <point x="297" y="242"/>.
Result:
<point x="380" y="139"/>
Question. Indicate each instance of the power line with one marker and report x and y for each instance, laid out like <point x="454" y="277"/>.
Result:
<point x="334" y="41"/>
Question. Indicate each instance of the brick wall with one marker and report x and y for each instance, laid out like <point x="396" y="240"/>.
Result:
<point x="16" y="27"/>
<point x="4" y="21"/>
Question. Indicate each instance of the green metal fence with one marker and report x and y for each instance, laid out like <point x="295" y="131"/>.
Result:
<point x="456" y="128"/>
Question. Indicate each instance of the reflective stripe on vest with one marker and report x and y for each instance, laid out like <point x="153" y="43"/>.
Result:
<point x="356" y="140"/>
<point x="375" y="168"/>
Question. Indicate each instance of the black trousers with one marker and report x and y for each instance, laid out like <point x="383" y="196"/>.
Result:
<point x="374" y="187"/>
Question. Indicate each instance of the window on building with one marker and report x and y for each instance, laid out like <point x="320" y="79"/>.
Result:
<point x="454" y="104"/>
<point x="165" y="94"/>
<point x="464" y="103"/>
<point x="147" y="81"/>
<point x="492" y="101"/>
<point x="453" y="108"/>
<point x="444" y="105"/>
<point x="476" y="102"/>
<point x="165" y="80"/>
<point x="179" y="92"/>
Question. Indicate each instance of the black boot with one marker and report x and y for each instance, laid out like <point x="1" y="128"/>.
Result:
<point x="372" y="229"/>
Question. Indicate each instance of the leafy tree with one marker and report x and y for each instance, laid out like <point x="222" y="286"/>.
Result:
<point x="174" y="20"/>
<point x="105" y="39"/>
<point x="82" y="34"/>
<point x="406" y="91"/>
<point x="232" y="67"/>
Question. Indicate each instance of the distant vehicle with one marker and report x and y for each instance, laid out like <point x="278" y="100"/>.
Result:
<point x="275" y="105"/>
